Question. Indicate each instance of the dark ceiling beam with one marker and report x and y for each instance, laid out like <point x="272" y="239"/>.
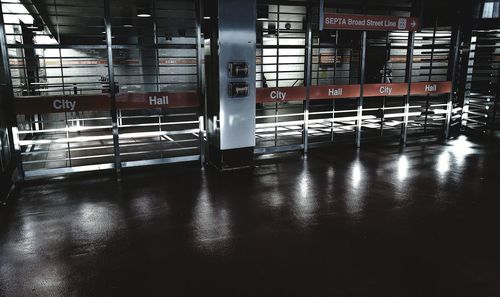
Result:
<point x="39" y="12"/>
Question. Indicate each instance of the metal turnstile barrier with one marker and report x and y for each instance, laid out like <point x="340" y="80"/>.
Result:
<point x="481" y="102"/>
<point x="128" y="91"/>
<point x="99" y="87"/>
<point x="406" y="80"/>
<point x="281" y="49"/>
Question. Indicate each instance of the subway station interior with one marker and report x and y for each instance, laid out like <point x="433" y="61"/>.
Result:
<point x="342" y="148"/>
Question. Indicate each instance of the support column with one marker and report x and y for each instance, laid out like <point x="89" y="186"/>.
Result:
<point x="231" y="99"/>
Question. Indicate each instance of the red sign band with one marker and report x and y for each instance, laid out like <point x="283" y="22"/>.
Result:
<point x="54" y="104"/>
<point x="340" y="21"/>
<point x="352" y="91"/>
<point x="280" y="94"/>
<point x="394" y="89"/>
<point x="427" y="88"/>
<point x="157" y="100"/>
<point x="72" y="103"/>
<point x="335" y="92"/>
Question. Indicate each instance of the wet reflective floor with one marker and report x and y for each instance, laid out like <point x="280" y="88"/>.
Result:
<point x="423" y="221"/>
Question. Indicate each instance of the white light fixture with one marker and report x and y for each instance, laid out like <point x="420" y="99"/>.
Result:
<point x="206" y="18"/>
<point x="143" y="13"/>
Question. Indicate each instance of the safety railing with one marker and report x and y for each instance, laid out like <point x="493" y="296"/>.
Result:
<point x="74" y="133"/>
<point x="325" y="126"/>
<point x="156" y="128"/>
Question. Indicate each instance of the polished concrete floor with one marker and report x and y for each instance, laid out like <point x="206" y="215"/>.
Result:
<point x="423" y="221"/>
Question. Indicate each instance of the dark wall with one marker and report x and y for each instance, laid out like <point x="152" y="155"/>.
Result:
<point x="6" y="152"/>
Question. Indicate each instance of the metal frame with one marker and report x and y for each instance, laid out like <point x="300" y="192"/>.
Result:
<point x="112" y="87"/>
<point x="307" y="124"/>
<point x="408" y="78"/>
<point x="359" y="121"/>
<point x="308" y="76"/>
<point x="283" y="73"/>
<point x="11" y="118"/>
<point x="496" y="102"/>
<point x="404" y="118"/>
<point x="478" y="99"/>
<point x="454" y="57"/>
<point x="431" y="63"/>
<point x="199" y="68"/>
<point x="116" y="117"/>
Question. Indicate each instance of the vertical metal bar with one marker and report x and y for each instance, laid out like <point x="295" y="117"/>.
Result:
<point x="361" y="89"/>
<point x="308" y="75"/>
<point x="384" y="80"/>
<point x="495" y="104"/>
<point x="25" y="77"/>
<point x="318" y="61"/>
<point x="59" y="48"/>
<point x="335" y="52"/>
<point x="263" y="79"/>
<point x="452" y="78"/>
<point x="464" y="23"/>
<point x="465" y="85"/>
<point x="277" y="74"/>
<point x="321" y="14"/>
<point x="68" y="144"/>
<point x="408" y="78"/>
<point x="199" y="81"/>
<point x="112" y="90"/>
<point x="157" y="54"/>
<point x="11" y="118"/>
<point x="431" y="64"/>
<point x="276" y="123"/>
<point x="161" y="136"/>
<point x="61" y="69"/>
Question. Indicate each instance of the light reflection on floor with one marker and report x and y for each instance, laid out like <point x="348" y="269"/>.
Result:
<point x="376" y="204"/>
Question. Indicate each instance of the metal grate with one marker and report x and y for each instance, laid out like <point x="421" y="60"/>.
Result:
<point x="482" y="88"/>
<point x="156" y="55"/>
<point x="64" y="54"/>
<point x="281" y="62"/>
<point x="48" y="60"/>
<point x="432" y="53"/>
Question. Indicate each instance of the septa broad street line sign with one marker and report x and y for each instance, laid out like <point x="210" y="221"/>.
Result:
<point x="340" y="21"/>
